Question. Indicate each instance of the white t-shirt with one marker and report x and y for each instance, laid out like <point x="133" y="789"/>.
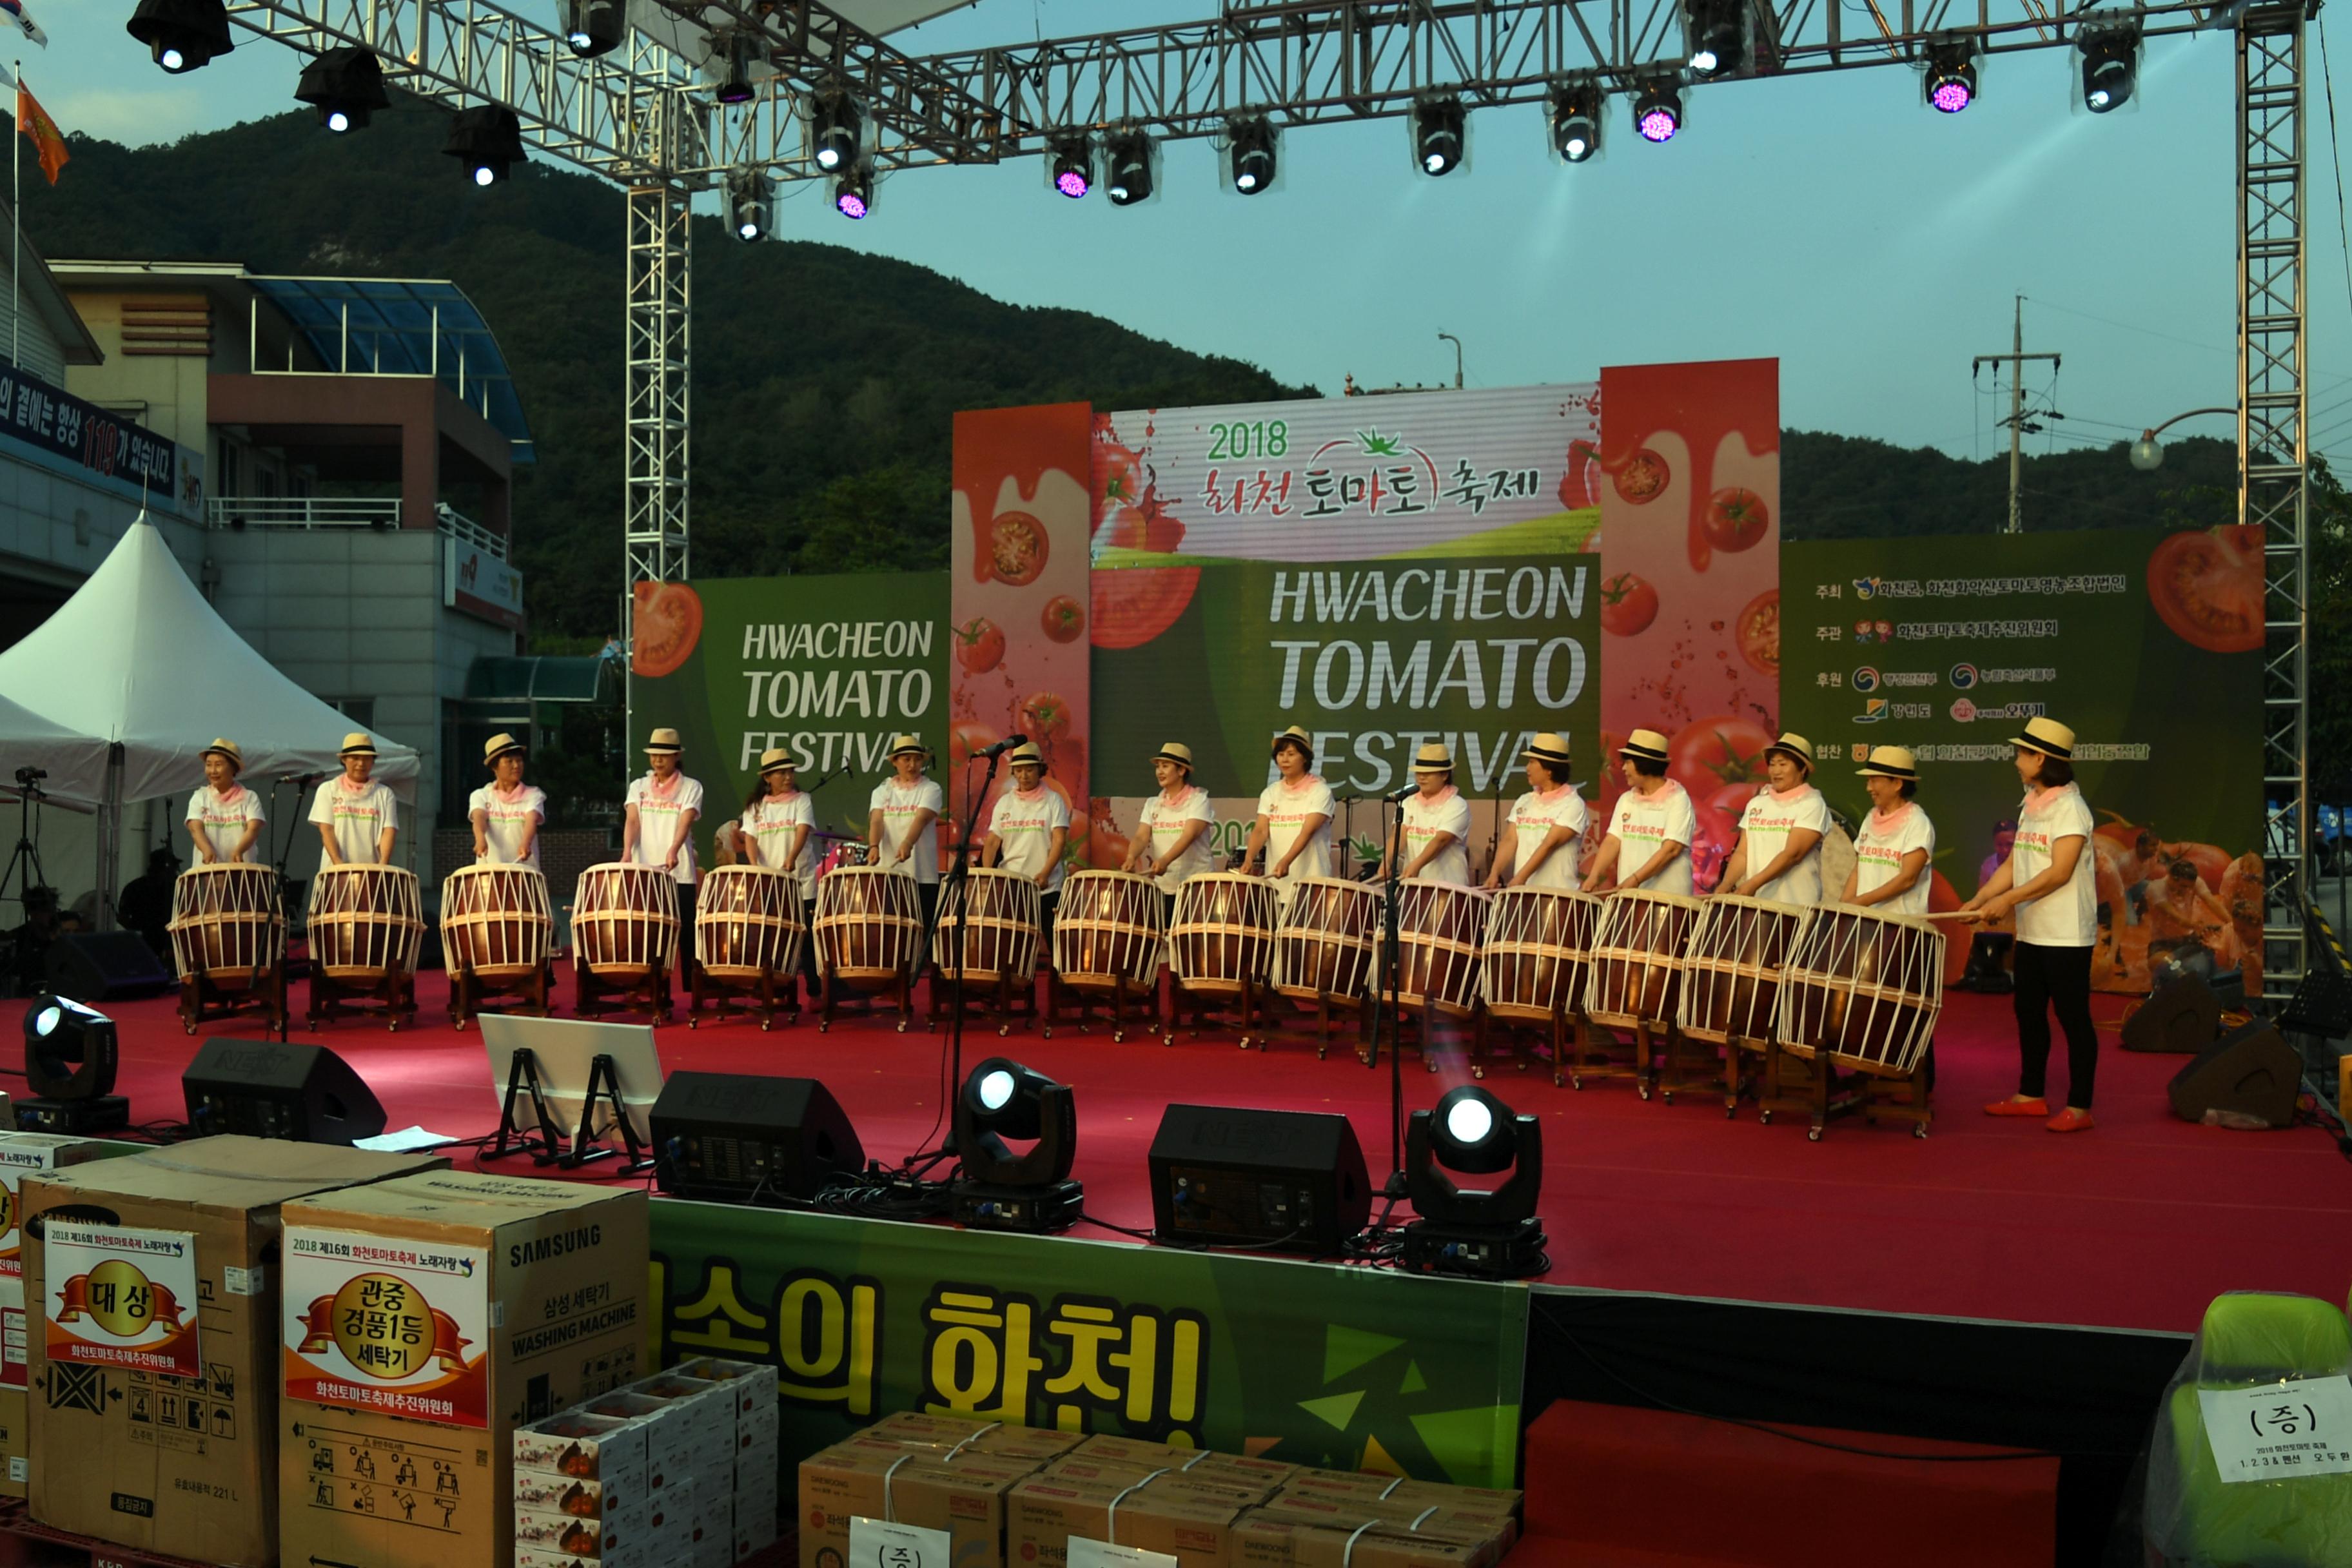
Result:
<point x="222" y="820"/>
<point x="1768" y="823"/>
<point x="769" y="822"/>
<point x="357" y="818"/>
<point x="2068" y="917"/>
<point x="1424" y="820"/>
<point x="505" y="819"/>
<point x="899" y="805"/>
<point x="1878" y="851"/>
<point x="1286" y="811"/>
<point x="1533" y="817"/>
<point x="1164" y="822"/>
<point x="1024" y="832"/>
<point x="661" y="821"/>
<point x="1643" y="824"/>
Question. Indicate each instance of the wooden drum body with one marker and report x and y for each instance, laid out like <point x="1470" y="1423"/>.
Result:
<point x="1537" y="951"/>
<point x="1732" y="972"/>
<point x="1439" y="928"/>
<point x="1328" y="941"/>
<point x="1223" y="937"/>
<point x="495" y="923"/>
<point x="869" y="925"/>
<point x="624" y="921"/>
<point x="227" y="925"/>
<point x="1637" y="957"/>
<point x="1864" y="988"/>
<point x="995" y="933"/>
<point x="747" y="924"/>
<point x="1110" y="927"/>
<point x="366" y="922"/>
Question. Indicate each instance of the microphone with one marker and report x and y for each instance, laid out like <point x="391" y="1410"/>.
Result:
<point x="1003" y="746"/>
<point x="1397" y="796"/>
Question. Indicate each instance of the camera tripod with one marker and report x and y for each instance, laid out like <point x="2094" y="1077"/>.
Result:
<point x="28" y="853"/>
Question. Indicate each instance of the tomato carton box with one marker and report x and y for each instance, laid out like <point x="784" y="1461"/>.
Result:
<point x="426" y="1321"/>
<point x="1078" y="1470"/>
<point x="584" y="1446"/>
<point x="1470" y="1525"/>
<point x="877" y="1481"/>
<point x="549" y="1557"/>
<point x="970" y="1435"/>
<point x="1263" y="1541"/>
<point x="752" y="1390"/>
<point x="613" y="1542"/>
<point x="1192" y="1527"/>
<point x="153" y="1281"/>
<point x="704" y="1410"/>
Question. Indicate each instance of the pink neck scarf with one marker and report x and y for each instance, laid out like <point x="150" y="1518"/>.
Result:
<point x="1548" y="796"/>
<point x="789" y="795"/>
<point x="503" y="793"/>
<point x="1301" y="784"/>
<point x="1888" y="821"/>
<point x="231" y="795"/>
<point x="1029" y="797"/>
<point x="662" y="788"/>
<point x="1179" y="795"/>
<point x="1440" y="798"/>
<point x="2039" y="799"/>
<point x="1787" y="797"/>
<point x="354" y="787"/>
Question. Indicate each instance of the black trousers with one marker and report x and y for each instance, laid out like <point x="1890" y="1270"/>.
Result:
<point x="928" y="893"/>
<point x="2060" y="978"/>
<point x="686" y="893"/>
<point x="1047" y="904"/>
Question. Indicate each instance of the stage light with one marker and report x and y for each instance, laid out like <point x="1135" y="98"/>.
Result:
<point x="1951" y="84"/>
<point x="1658" y="112"/>
<point x="1128" y="173"/>
<point x="70" y="1061"/>
<point x="998" y="1188"/>
<point x="1576" y="120"/>
<point x="2109" y="71"/>
<point x="594" y="28"/>
<point x="1717" y="36"/>
<point x="836" y="132"/>
<point x="182" y="35"/>
<point x="853" y="193"/>
<point x="1250" y="146"/>
<point x="739" y="48"/>
<point x="1070" y="163"/>
<point x="750" y="203"/>
<point x="1492" y="1235"/>
<point x="1438" y="128"/>
<point x="486" y="139"/>
<point x="345" y="86"/>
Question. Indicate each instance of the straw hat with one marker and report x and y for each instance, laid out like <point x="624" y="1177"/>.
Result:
<point x="227" y="749"/>
<point x="1026" y="752"/>
<point x="1433" y="758"/>
<point x="1795" y="745"/>
<point x="499" y="745"/>
<point x="2048" y="737"/>
<point x="1645" y="745"/>
<point x="357" y="744"/>
<point x="1547" y="747"/>
<point x="774" y="758"/>
<point x="1298" y="738"/>
<point x="1175" y="752"/>
<point x="664" y="742"/>
<point x="903" y="744"/>
<point x="1890" y="763"/>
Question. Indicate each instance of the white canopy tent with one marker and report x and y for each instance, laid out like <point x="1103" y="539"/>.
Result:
<point x="76" y="762"/>
<point x="138" y="665"/>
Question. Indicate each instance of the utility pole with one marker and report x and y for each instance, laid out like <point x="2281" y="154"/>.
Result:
<point x="2015" y="359"/>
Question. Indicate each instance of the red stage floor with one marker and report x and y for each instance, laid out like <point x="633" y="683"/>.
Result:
<point x="2137" y="1224"/>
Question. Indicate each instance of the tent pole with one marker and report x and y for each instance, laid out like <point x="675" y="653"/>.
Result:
<point x="110" y="839"/>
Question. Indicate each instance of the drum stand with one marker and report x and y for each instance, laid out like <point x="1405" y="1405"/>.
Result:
<point x="395" y="988"/>
<point x="1562" y="1030"/>
<point x="1881" y="1096"/>
<point x="1211" y="1000"/>
<point x="1691" y="1064"/>
<point x="468" y="991"/>
<point x="648" y="993"/>
<point x="1121" y="1003"/>
<point x="764" y="1003"/>
<point x="1329" y="1005"/>
<point x="994" y="1000"/>
<point x="201" y="1002"/>
<point x="899" y="988"/>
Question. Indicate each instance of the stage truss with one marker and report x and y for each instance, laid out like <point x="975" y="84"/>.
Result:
<point x="646" y="118"/>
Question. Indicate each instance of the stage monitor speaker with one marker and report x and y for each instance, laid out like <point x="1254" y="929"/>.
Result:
<point x="105" y="966"/>
<point x="2251" y="1070"/>
<point x="728" y="1136"/>
<point x="1279" y="1179"/>
<point x="266" y="1088"/>
<point x="2182" y="1017"/>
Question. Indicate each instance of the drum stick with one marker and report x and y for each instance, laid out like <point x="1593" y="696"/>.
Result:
<point x="1952" y="914"/>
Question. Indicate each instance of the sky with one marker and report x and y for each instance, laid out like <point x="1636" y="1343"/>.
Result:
<point x="1871" y="246"/>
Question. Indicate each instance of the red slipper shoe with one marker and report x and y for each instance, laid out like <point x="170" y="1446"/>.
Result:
<point x="2037" y="1106"/>
<point x="2071" y="1119"/>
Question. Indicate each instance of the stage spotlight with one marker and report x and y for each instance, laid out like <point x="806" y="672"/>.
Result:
<point x="182" y="35"/>
<point x="345" y="86"/>
<point x="69" y="1059"/>
<point x="1438" y="128"/>
<point x="1130" y="174"/>
<point x="1001" y="1190"/>
<point x="1951" y="84"/>
<point x="2109" y="70"/>
<point x="1658" y="112"/>
<point x="486" y="139"/>
<point x="1250" y="144"/>
<point x="750" y="204"/>
<point x="1070" y="163"/>
<point x="1490" y="1235"/>
<point x="595" y="27"/>
<point x="1576" y="120"/>
<point x="1717" y="36"/>
<point x="836" y="132"/>
<point x="740" y="48"/>
<point x="853" y="193"/>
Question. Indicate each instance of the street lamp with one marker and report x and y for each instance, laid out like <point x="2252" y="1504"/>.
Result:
<point x="2148" y="456"/>
<point x="1450" y="337"/>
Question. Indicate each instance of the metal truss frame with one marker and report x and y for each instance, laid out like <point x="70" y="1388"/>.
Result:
<point x="660" y="311"/>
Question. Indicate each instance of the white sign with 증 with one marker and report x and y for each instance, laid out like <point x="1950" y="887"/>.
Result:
<point x="876" y="1544"/>
<point x="1086" y="1553"/>
<point x="2278" y="1431"/>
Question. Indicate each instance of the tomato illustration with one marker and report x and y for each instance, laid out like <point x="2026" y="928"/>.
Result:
<point x="1045" y="717"/>
<point x="1641" y="477"/>
<point x="1016" y="549"/>
<point x="2207" y="586"/>
<point x="979" y="645"/>
<point x="1628" y="605"/>
<point x="1710" y="754"/>
<point x="666" y="622"/>
<point x="1107" y="847"/>
<point x="1758" y="630"/>
<point x="1577" y="489"/>
<point x="1736" y="519"/>
<point x="1942" y="897"/>
<point x="1134" y="605"/>
<point x="968" y="739"/>
<point x="1061" y="618"/>
<point x="2212" y="863"/>
<point x="1121" y="475"/>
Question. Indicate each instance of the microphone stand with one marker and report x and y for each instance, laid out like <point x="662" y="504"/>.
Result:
<point x="950" y="896"/>
<point x="1387" y="1012"/>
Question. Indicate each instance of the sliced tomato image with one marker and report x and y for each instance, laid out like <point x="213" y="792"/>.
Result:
<point x="1016" y="549"/>
<point x="1641" y="477"/>
<point x="1759" y="631"/>
<point x="1628" y="605"/>
<point x="1737" y="519"/>
<point x="666" y="622"/>
<point x="979" y="645"/>
<point x="2207" y="586"/>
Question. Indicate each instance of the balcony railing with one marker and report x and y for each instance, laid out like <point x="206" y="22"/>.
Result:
<point x="345" y="511"/>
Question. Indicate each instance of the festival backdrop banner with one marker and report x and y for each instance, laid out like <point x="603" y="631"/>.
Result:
<point x="2148" y="644"/>
<point x="1383" y="571"/>
<point x="1343" y="1367"/>
<point x="828" y="668"/>
<point x="1688" y="484"/>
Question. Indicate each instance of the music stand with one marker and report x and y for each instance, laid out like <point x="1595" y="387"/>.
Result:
<point x="595" y="1078"/>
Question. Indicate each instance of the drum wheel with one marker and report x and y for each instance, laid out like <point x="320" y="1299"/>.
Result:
<point x="1002" y="1030"/>
<point x="1813" y="1134"/>
<point x="1244" y="1042"/>
<point x="1645" y="1089"/>
<point x="1765" y="1117"/>
<point x="693" y="1021"/>
<point x="1117" y="1036"/>
<point x="1478" y="1072"/>
<point x="1169" y="1040"/>
<point x="825" y="1026"/>
<point x="1919" y="1129"/>
<point x="187" y="1028"/>
<point x="1046" y="1033"/>
<point x="1666" y="1095"/>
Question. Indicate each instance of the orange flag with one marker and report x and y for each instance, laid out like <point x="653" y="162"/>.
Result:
<point x="34" y="121"/>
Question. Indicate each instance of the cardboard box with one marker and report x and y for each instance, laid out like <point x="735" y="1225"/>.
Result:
<point x="1107" y="1449"/>
<point x="15" y="1444"/>
<point x="22" y="1154"/>
<point x="966" y="1498"/>
<point x="752" y="1390"/>
<point x="670" y="1443"/>
<point x="542" y="1557"/>
<point x="703" y="1410"/>
<point x="427" y="1321"/>
<point x="1080" y="1471"/>
<point x="1399" y="1490"/>
<point x="589" y="1447"/>
<point x="612" y="1542"/>
<point x="1193" y="1527"/>
<point x="1470" y="1525"/>
<point x="553" y="1493"/>
<point x="916" y="1430"/>
<point x="155" y="1324"/>
<point x="1262" y="1541"/>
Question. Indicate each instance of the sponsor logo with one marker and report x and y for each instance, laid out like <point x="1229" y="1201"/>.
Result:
<point x="1964" y="711"/>
<point x="1867" y="587"/>
<point x="1872" y="709"/>
<point x="546" y="1246"/>
<point x="1865" y="679"/>
<point x="1964" y="677"/>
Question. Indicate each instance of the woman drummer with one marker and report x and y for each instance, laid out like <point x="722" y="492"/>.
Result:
<point x="224" y="818"/>
<point x="355" y="816"/>
<point x="1294" y="815"/>
<point x="2049" y="879"/>
<point x="1779" y="856"/>
<point x="1539" y="851"/>
<point x="1651" y="829"/>
<point x="1027" y="832"/>
<point x="657" y="825"/>
<point x="1173" y="839"/>
<point x="1894" y="847"/>
<point x="775" y="831"/>
<point x="507" y="812"/>
<point x="899" y="830"/>
<point x="1433" y="831"/>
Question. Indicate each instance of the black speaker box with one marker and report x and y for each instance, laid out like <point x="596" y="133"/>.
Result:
<point x="105" y="966"/>
<point x="2250" y="1070"/>
<point x="1281" y="1180"/>
<point x="2183" y="1017"/>
<point x="266" y="1088"/>
<point x="727" y="1135"/>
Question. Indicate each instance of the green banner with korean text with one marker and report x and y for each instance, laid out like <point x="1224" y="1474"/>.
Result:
<point x="1319" y="1364"/>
